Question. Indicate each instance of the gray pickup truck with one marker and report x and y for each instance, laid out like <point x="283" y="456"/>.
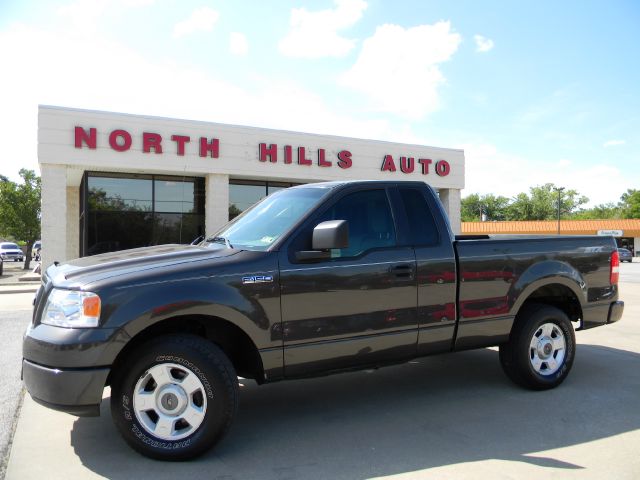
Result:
<point x="312" y="280"/>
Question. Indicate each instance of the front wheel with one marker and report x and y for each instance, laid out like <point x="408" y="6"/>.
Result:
<point x="541" y="348"/>
<point x="175" y="397"/>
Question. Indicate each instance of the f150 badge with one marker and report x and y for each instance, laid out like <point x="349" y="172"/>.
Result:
<point x="257" y="279"/>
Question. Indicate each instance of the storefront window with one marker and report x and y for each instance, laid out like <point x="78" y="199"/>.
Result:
<point x="245" y="193"/>
<point x="124" y="194"/>
<point x="129" y="211"/>
<point x="174" y="195"/>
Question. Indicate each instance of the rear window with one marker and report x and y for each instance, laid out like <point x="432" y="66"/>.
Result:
<point x="421" y="222"/>
<point x="9" y="246"/>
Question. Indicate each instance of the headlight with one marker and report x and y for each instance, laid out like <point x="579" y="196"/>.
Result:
<point x="72" y="309"/>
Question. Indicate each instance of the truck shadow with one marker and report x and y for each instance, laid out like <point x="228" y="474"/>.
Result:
<point x="432" y="412"/>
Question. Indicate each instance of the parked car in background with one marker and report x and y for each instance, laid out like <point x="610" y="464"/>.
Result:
<point x="11" y="251"/>
<point x="35" y="251"/>
<point x="625" y="255"/>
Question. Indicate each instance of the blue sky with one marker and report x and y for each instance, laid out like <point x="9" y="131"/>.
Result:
<point x="534" y="92"/>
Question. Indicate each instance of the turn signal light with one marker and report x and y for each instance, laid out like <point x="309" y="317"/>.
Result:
<point x="615" y="268"/>
<point x="91" y="306"/>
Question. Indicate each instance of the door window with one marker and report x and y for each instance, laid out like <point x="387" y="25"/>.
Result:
<point x="370" y="221"/>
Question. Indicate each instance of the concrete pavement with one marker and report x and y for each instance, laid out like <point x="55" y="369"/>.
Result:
<point x="451" y="416"/>
<point x="15" y="313"/>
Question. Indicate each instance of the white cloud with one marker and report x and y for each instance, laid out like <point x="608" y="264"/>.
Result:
<point x="238" y="44"/>
<point x="483" y="44"/>
<point x="564" y="163"/>
<point x="488" y="170"/>
<point x="201" y="20"/>
<point x="613" y="143"/>
<point x="398" y="68"/>
<point x="83" y="14"/>
<point x="315" y="34"/>
<point x="148" y="88"/>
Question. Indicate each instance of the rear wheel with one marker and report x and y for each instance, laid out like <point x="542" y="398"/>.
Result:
<point x="175" y="397"/>
<point x="541" y="348"/>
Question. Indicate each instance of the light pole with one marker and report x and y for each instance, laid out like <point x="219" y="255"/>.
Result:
<point x="559" y="190"/>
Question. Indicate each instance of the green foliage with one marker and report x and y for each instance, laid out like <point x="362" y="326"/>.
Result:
<point x="630" y="204"/>
<point x="604" y="211"/>
<point x="541" y="203"/>
<point x="20" y="210"/>
<point x="493" y="207"/>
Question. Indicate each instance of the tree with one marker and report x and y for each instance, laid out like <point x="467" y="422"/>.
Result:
<point x="599" y="212"/>
<point x="630" y="204"/>
<point x="542" y="203"/>
<point x="20" y="210"/>
<point x="493" y="207"/>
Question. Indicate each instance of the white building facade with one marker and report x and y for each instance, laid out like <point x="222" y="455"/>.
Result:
<point x="112" y="181"/>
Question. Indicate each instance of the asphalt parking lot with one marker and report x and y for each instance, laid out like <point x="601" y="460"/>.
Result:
<point x="451" y="416"/>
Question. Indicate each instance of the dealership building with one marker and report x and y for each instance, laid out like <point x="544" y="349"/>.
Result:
<point x="112" y="181"/>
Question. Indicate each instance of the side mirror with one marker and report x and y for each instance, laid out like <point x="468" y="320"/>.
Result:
<point x="326" y="236"/>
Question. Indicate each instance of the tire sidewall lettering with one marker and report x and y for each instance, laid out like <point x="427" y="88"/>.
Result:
<point x="190" y="366"/>
<point x="144" y="438"/>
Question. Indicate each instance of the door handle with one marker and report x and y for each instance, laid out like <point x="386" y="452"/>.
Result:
<point x="404" y="271"/>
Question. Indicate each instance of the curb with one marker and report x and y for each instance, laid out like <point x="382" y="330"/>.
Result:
<point x="18" y="290"/>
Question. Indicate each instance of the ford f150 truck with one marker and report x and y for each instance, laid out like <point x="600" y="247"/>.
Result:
<point x="314" y="279"/>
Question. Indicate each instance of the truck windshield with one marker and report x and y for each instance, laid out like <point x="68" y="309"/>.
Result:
<point x="264" y="223"/>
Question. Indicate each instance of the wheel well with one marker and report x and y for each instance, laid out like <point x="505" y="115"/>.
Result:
<point x="559" y="296"/>
<point x="235" y="343"/>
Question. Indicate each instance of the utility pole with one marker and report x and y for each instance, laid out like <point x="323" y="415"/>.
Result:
<point x="559" y="190"/>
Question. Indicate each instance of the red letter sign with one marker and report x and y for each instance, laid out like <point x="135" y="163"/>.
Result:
<point x="271" y="152"/>
<point x="126" y="140"/>
<point x="89" y="140"/>
<point x="151" y="140"/>
<point x="388" y="165"/>
<point x="442" y="168"/>
<point x="425" y="162"/>
<point x="321" y="160"/>
<point x="406" y="164"/>
<point x="302" y="160"/>
<point x="344" y="159"/>
<point x="180" y="142"/>
<point x="288" y="156"/>
<point x="212" y="147"/>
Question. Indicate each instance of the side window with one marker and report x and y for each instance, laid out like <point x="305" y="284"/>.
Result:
<point x="370" y="221"/>
<point x="421" y="222"/>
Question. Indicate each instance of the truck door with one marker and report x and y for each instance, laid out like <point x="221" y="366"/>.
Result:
<point x="431" y="237"/>
<point x="358" y="307"/>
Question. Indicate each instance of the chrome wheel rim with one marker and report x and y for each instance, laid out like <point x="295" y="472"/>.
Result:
<point x="547" y="349"/>
<point x="169" y="401"/>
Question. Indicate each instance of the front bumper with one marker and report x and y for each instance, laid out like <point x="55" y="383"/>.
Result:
<point x="75" y="391"/>
<point x="12" y="257"/>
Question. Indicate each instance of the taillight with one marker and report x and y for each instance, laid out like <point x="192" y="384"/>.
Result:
<point x="615" y="268"/>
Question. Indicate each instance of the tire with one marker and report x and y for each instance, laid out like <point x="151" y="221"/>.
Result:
<point x="175" y="397"/>
<point x="541" y="348"/>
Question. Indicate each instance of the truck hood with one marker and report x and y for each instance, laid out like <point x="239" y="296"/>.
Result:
<point x="99" y="267"/>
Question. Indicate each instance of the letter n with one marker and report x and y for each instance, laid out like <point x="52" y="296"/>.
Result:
<point x="89" y="139"/>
